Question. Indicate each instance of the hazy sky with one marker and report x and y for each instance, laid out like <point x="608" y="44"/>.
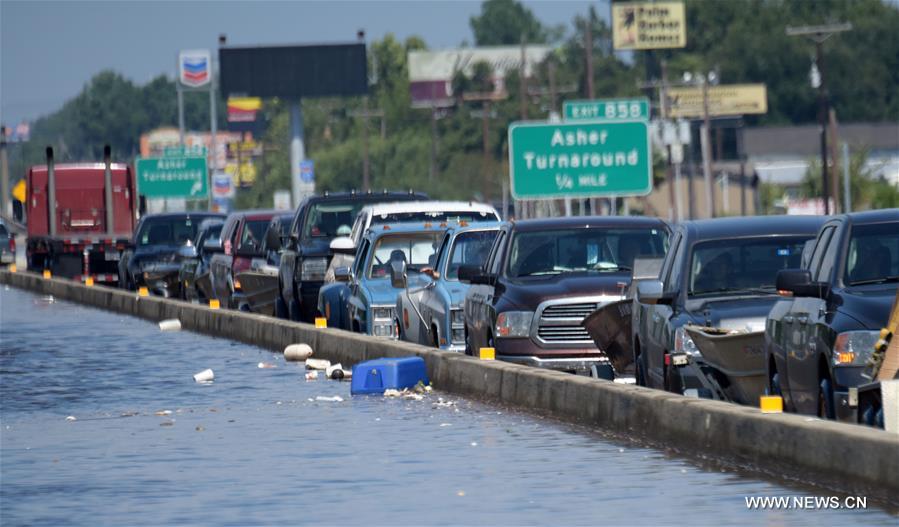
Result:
<point x="49" y="50"/>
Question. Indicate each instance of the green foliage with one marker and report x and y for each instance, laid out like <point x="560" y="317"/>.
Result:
<point x="866" y="190"/>
<point x="506" y="22"/>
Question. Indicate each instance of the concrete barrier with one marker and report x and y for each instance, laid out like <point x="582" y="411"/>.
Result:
<point x="846" y="458"/>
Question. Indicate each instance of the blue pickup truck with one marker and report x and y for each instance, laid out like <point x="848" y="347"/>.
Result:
<point x="363" y="299"/>
<point x="432" y="314"/>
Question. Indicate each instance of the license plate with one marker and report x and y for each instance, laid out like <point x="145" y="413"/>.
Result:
<point x="112" y="256"/>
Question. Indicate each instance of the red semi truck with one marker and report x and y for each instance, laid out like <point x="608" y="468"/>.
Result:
<point x="91" y="222"/>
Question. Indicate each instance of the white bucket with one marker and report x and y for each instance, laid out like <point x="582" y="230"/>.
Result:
<point x="172" y="324"/>
<point x="204" y="376"/>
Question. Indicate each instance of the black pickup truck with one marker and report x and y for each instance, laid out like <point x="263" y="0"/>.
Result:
<point x="542" y="277"/>
<point x="306" y="252"/>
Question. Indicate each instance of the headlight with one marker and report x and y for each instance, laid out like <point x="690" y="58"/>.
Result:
<point x="382" y="313"/>
<point x="313" y="269"/>
<point x="514" y="323"/>
<point x="854" y="347"/>
<point x="684" y="344"/>
<point x="458" y="335"/>
<point x="384" y="329"/>
<point x="457" y="317"/>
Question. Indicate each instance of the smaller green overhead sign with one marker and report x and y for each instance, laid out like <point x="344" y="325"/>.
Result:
<point x="589" y="159"/>
<point x="606" y="110"/>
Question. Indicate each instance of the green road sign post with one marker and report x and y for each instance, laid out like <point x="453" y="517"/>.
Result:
<point x="172" y="177"/>
<point x="579" y="160"/>
<point x="606" y="110"/>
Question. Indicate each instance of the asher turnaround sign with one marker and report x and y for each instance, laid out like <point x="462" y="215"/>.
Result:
<point x="589" y="159"/>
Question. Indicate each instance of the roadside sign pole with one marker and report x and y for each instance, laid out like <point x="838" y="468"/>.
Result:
<point x="213" y="126"/>
<point x="297" y="153"/>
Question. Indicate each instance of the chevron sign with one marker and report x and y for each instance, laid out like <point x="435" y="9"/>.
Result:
<point x="194" y="68"/>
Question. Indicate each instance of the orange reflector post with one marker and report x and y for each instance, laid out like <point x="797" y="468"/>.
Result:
<point x="143" y="291"/>
<point x="12" y="268"/>
<point x="214" y="303"/>
<point x="89" y="281"/>
<point x="488" y="354"/>
<point x="47" y="273"/>
<point x="321" y="322"/>
<point x="771" y="404"/>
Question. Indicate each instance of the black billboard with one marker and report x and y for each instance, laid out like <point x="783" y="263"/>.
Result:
<point x="290" y="72"/>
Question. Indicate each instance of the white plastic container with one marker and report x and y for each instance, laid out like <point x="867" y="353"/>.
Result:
<point x="204" y="376"/>
<point x="317" y="364"/>
<point x="172" y="324"/>
<point x="297" y="352"/>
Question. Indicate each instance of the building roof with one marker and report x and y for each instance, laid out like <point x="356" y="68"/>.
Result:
<point x="805" y="140"/>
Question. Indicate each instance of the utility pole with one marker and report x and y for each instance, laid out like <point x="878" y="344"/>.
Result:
<point x="588" y="53"/>
<point x="5" y="209"/>
<point x="706" y="149"/>
<point x="485" y="98"/>
<point x="819" y="34"/>
<point x="365" y="114"/>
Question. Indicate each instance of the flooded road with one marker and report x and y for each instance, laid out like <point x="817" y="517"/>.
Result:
<point x="102" y="423"/>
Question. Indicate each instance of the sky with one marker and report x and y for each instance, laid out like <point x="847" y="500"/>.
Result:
<point x="49" y="50"/>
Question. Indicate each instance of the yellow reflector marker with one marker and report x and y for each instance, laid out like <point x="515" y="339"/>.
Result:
<point x="488" y="354"/>
<point x="845" y="357"/>
<point x="321" y="322"/>
<point x="771" y="404"/>
<point x="214" y="304"/>
<point x="89" y="281"/>
<point x="12" y="268"/>
<point x="143" y="291"/>
<point x="47" y="273"/>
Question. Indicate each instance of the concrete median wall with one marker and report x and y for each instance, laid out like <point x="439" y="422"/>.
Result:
<point x="846" y="458"/>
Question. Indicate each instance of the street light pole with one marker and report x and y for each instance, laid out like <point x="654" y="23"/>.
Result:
<point x="818" y="34"/>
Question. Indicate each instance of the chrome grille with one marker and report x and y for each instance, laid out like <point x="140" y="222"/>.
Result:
<point x="578" y="311"/>
<point x="563" y="334"/>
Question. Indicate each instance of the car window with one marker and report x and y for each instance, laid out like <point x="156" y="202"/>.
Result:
<point x="359" y="227"/>
<point x="416" y="249"/>
<point x="672" y="275"/>
<point x="3" y="231"/>
<point x="174" y="230"/>
<point x="360" y="261"/>
<point x="469" y="248"/>
<point x="552" y="252"/>
<point x="497" y="254"/>
<point x="742" y="264"/>
<point x="443" y="245"/>
<point x="820" y="248"/>
<point x="252" y="234"/>
<point x="825" y="271"/>
<point x="329" y="219"/>
<point x="873" y="254"/>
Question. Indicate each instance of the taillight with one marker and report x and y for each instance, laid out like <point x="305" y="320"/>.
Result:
<point x="12" y="243"/>
<point x="240" y="264"/>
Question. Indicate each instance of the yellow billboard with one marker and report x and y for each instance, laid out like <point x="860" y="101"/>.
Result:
<point x="730" y="99"/>
<point x="649" y="25"/>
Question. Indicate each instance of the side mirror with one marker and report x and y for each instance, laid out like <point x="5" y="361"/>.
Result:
<point x="342" y="274"/>
<point x="484" y="279"/>
<point x="398" y="274"/>
<point x="468" y="272"/>
<point x="187" y="251"/>
<point x="343" y="245"/>
<point x="651" y="292"/>
<point x="213" y="245"/>
<point x="799" y="282"/>
<point x="272" y="240"/>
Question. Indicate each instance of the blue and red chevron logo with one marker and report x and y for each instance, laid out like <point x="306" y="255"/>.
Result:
<point x="194" y="69"/>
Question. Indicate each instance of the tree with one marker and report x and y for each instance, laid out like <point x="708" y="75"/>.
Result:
<point x="504" y="23"/>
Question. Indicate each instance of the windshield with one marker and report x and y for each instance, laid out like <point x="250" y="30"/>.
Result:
<point x="416" y="249"/>
<point x="582" y="250"/>
<point x="173" y="230"/>
<point x="252" y="235"/>
<point x="412" y="217"/>
<point x="331" y="219"/>
<point x="469" y="248"/>
<point x="742" y="264"/>
<point x="873" y="254"/>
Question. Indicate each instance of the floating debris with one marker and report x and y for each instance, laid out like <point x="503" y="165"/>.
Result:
<point x="312" y="375"/>
<point x="317" y="364"/>
<point x="337" y="372"/>
<point x="170" y="422"/>
<point x="265" y="365"/>
<point x="445" y="424"/>
<point x="334" y="399"/>
<point x="204" y="376"/>
<point x="297" y="352"/>
<point x="461" y="493"/>
<point x="164" y="412"/>
<point x="199" y="428"/>
<point x="390" y="392"/>
<point x="474" y="443"/>
<point x="172" y="324"/>
<point x="71" y="418"/>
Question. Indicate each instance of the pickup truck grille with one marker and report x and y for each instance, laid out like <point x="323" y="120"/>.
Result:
<point x="578" y="311"/>
<point x="559" y="322"/>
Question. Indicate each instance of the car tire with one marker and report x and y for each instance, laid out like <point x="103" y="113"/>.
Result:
<point x="280" y="308"/>
<point x="825" y="400"/>
<point x="640" y="368"/>
<point x="468" y="350"/>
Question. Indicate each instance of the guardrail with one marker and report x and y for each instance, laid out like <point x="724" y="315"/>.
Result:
<point x="846" y="458"/>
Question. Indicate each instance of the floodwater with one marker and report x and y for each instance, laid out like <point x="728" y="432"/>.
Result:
<point x="87" y="439"/>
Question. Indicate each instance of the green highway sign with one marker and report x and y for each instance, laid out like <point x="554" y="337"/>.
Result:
<point x="606" y="110"/>
<point x="181" y="151"/>
<point x="172" y="177"/>
<point x="587" y="159"/>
